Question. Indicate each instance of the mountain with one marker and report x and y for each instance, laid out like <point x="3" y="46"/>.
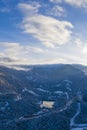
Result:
<point x="43" y="97"/>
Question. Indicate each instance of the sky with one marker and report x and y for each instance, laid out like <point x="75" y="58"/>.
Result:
<point x="43" y="32"/>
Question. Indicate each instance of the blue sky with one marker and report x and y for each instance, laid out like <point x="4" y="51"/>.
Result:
<point x="43" y="31"/>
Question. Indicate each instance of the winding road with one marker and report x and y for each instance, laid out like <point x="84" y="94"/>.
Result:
<point x="73" y="124"/>
<point x="22" y="118"/>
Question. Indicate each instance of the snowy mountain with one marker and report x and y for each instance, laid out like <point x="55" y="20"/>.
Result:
<point x="43" y="97"/>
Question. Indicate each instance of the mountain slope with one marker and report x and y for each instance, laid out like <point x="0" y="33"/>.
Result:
<point x="41" y="97"/>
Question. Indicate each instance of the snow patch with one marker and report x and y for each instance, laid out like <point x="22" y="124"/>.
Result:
<point x="42" y="90"/>
<point x="24" y="90"/>
<point x="29" y="91"/>
<point x="69" y="88"/>
<point x="67" y="95"/>
<point x="18" y="98"/>
<point x="58" y="92"/>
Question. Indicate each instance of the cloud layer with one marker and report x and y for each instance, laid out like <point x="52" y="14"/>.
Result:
<point x="15" y="53"/>
<point x="49" y="35"/>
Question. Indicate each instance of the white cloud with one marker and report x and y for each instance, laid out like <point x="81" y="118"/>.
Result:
<point x="56" y="1"/>
<point x="81" y="49"/>
<point x="82" y="45"/>
<point x="15" y="53"/>
<point x="84" y="49"/>
<point x="46" y="29"/>
<point x="78" y="3"/>
<point x="54" y="61"/>
<point x="57" y="11"/>
<point x="29" y="9"/>
<point x="78" y="42"/>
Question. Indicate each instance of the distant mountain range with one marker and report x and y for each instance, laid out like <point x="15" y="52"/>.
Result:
<point x="43" y="97"/>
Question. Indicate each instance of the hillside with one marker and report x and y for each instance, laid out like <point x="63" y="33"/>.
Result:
<point x="43" y="97"/>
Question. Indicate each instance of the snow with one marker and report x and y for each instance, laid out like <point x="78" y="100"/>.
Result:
<point x="67" y="95"/>
<point x="58" y="92"/>
<point x="79" y="126"/>
<point x="24" y="90"/>
<point x="18" y="97"/>
<point x="77" y="113"/>
<point x="21" y="118"/>
<point x="47" y="104"/>
<point x="69" y="88"/>
<point x="29" y="91"/>
<point x="42" y="90"/>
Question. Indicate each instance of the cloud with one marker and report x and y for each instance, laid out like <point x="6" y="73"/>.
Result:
<point x="6" y="59"/>
<point x="78" y="42"/>
<point x="82" y="47"/>
<point x="15" y="53"/>
<point x="57" y="11"/>
<point x="53" y="61"/>
<point x="77" y="3"/>
<point x="56" y="1"/>
<point x="29" y="9"/>
<point x="44" y="28"/>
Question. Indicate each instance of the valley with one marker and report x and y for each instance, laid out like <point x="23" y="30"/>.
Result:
<point x="43" y="97"/>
